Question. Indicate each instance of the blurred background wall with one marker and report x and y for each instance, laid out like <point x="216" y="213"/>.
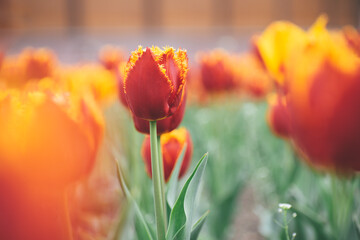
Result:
<point x="91" y="15"/>
<point x="77" y="29"/>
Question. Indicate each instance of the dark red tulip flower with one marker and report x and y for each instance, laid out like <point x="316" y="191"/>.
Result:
<point x="154" y="82"/>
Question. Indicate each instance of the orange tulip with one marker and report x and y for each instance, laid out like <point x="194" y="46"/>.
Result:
<point x="255" y="79"/>
<point x="111" y="57"/>
<point x="171" y="144"/>
<point x="39" y="63"/>
<point x="275" y="46"/>
<point x="323" y="103"/>
<point x="280" y="41"/>
<point x="30" y="65"/>
<point x="47" y="141"/>
<point x="91" y="80"/>
<point x="318" y="76"/>
<point x="154" y="82"/>
<point x="217" y="71"/>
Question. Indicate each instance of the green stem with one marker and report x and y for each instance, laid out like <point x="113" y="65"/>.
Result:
<point x="286" y="226"/>
<point x="162" y="179"/>
<point x="158" y="185"/>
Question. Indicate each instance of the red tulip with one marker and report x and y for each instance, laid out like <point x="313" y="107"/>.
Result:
<point x="171" y="146"/>
<point x="154" y="82"/>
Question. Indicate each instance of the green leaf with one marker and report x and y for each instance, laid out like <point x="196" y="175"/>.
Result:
<point x="142" y="229"/>
<point x="181" y="215"/>
<point x="195" y="231"/>
<point x="171" y="191"/>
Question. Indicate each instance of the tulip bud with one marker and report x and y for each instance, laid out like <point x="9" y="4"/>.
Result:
<point x="171" y="145"/>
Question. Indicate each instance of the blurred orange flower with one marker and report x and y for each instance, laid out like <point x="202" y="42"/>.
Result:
<point x="217" y="71"/>
<point x="317" y="108"/>
<point x="323" y="103"/>
<point x="90" y="79"/>
<point x="352" y="36"/>
<point x="30" y="65"/>
<point x="255" y="80"/>
<point x="171" y="145"/>
<point x="1" y="57"/>
<point x="95" y="205"/>
<point x="275" y="46"/>
<point x="39" y="63"/>
<point x="111" y="57"/>
<point x="47" y="141"/>
<point x="154" y="82"/>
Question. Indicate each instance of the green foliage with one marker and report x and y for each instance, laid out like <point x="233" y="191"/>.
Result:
<point x="180" y="222"/>
<point x="142" y="228"/>
<point x="244" y="152"/>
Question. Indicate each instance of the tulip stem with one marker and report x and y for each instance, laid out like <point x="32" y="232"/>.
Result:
<point x="159" y="197"/>
<point x="162" y="180"/>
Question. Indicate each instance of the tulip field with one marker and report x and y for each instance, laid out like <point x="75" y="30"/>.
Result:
<point x="159" y="143"/>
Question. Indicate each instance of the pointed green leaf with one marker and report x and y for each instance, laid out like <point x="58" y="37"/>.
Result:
<point x="171" y="191"/>
<point x="142" y="229"/>
<point x="190" y="198"/>
<point x="195" y="231"/>
<point x="181" y="215"/>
